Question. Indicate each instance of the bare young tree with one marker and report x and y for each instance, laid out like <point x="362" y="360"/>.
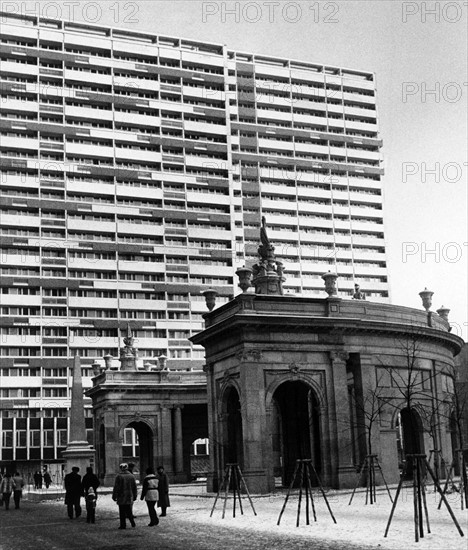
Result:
<point x="368" y="407"/>
<point x="456" y="413"/>
<point x="413" y="394"/>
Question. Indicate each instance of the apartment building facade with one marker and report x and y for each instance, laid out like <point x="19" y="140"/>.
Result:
<point x="135" y="171"/>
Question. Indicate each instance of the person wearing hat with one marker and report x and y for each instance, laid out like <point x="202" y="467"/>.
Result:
<point x="124" y="493"/>
<point x="73" y="492"/>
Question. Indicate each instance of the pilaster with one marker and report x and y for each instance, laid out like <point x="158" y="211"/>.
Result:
<point x="345" y="473"/>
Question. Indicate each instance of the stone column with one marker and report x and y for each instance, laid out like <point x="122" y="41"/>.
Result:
<point x="345" y="473"/>
<point x="213" y="430"/>
<point x="178" y="442"/>
<point x="166" y="438"/>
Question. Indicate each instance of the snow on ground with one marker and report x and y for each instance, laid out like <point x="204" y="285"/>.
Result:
<point x="359" y="524"/>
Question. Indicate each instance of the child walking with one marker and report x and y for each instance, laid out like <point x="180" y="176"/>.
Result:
<point x="91" y="498"/>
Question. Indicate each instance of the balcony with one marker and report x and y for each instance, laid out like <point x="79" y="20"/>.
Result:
<point x="87" y="77"/>
<point x="142" y="120"/>
<point x="146" y="267"/>
<point x="89" y="150"/>
<point x="93" y="303"/>
<point x="86" y="225"/>
<point x="21" y="181"/>
<point x="18" y="68"/>
<point x="140" y="229"/>
<point x="149" y="305"/>
<point x="135" y="154"/>
<point x="29" y="221"/>
<point x="87" y="112"/>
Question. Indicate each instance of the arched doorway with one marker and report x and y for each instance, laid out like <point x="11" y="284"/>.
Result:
<point x="137" y="447"/>
<point x="410" y="438"/>
<point x="233" y="439"/>
<point x="296" y="428"/>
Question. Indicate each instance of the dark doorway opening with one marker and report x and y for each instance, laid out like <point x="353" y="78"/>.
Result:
<point x="410" y="439"/>
<point x="233" y="441"/>
<point x="296" y="429"/>
<point x="138" y="447"/>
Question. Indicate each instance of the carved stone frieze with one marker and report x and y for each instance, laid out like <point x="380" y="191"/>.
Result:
<point x="248" y="355"/>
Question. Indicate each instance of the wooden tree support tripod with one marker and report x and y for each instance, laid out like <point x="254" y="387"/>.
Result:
<point x="463" y="487"/>
<point x="436" y="456"/>
<point x="305" y="469"/>
<point x="233" y="473"/>
<point x="369" y="465"/>
<point x="419" y="463"/>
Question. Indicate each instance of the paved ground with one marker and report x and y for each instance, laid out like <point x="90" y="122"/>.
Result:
<point x="45" y="526"/>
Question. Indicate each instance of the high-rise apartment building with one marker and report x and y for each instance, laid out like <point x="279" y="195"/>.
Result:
<point x="135" y="171"/>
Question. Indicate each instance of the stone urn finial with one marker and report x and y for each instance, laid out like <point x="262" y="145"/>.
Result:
<point x="162" y="360"/>
<point x="444" y="313"/>
<point x="210" y="298"/>
<point x="107" y="362"/>
<point x="426" y="297"/>
<point x="330" y="283"/>
<point x="245" y="275"/>
<point x="96" y="368"/>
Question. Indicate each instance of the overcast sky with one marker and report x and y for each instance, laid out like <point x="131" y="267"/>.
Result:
<point x="414" y="48"/>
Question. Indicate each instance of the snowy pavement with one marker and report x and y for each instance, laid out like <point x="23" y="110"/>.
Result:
<point x="189" y="525"/>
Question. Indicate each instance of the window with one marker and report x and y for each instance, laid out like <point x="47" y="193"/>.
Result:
<point x="7" y="439"/>
<point x="62" y="438"/>
<point x="48" y="438"/>
<point x="128" y="436"/>
<point x="34" y="438"/>
<point x="55" y="392"/>
<point x="21" y="438"/>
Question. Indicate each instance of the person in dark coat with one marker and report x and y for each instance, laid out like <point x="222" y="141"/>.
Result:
<point x="90" y="479"/>
<point x="124" y="493"/>
<point x="38" y="480"/>
<point x="7" y="486"/>
<point x="47" y="479"/>
<point x="150" y="493"/>
<point x="73" y="492"/>
<point x="18" y="492"/>
<point x="163" y="488"/>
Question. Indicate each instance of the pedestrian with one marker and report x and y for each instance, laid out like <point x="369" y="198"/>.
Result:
<point x="37" y="480"/>
<point x="131" y="467"/>
<point x="18" y="492"/>
<point x="150" y="493"/>
<point x="90" y="479"/>
<point x="90" y="498"/>
<point x="7" y="486"/>
<point x="124" y="493"/>
<point x="47" y="479"/>
<point x="163" y="501"/>
<point x="73" y="492"/>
